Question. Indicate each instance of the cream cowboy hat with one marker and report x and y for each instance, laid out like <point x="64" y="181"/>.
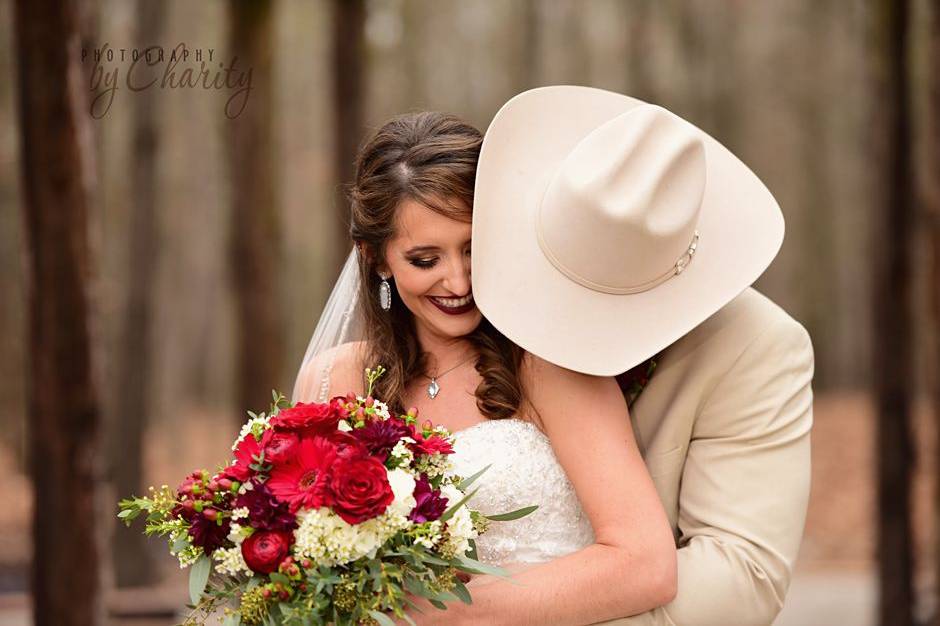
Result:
<point x="605" y="228"/>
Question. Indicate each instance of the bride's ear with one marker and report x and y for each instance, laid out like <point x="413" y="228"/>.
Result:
<point x="366" y="251"/>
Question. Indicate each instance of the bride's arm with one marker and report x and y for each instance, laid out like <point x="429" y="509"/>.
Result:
<point x="631" y="567"/>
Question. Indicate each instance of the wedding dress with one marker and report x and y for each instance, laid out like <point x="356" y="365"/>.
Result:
<point x="524" y="472"/>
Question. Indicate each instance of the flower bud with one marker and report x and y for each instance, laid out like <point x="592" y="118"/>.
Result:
<point x="306" y="563"/>
<point x="266" y="592"/>
<point x="225" y="483"/>
<point x="370" y="401"/>
<point x="210" y="514"/>
<point x="284" y="595"/>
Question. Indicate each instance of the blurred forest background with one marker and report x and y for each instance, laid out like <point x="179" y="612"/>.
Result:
<point x="213" y="242"/>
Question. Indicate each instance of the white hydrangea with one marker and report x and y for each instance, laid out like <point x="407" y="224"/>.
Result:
<point x="230" y="561"/>
<point x="326" y="538"/>
<point x="403" y="486"/>
<point x="262" y="420"/>
<point x="460" y="525"/>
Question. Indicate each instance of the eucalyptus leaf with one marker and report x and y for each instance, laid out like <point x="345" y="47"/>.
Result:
<point x="506" y="517"/>
<point x="382" y="618"/>
<point x="198" y="577"/>
<point x="450" y="512"/>
<point x="460" y="590"/>
<point x="476" y="567"/>
<point x="466" y="482"/>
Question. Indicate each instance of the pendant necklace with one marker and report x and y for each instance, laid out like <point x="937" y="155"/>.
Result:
<point x="434" y="388"/>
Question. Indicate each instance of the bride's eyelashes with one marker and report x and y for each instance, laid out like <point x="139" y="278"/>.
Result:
<point x="423" y="263"/>
<point x="427" y="263"/>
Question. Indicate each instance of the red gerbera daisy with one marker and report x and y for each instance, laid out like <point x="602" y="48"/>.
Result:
<point x="301" y="480"/>
<point x="247" y="449"/>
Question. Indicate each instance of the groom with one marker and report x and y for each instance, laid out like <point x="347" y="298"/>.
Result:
<point x="724" y="421"/>
<point x="635" y="236"/>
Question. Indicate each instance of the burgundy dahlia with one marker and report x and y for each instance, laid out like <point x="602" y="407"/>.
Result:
<point x="380" y="436"/>
<point x="207" y="533"/>
<point x="265" y="512"/>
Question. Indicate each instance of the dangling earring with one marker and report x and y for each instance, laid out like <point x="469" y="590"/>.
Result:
<point x="385" y="294"/>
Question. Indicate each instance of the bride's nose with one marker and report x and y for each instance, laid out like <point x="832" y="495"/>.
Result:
<point x="457" y="280"/>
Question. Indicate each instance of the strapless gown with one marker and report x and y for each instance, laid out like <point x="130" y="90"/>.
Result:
<point x="524" y="472"/>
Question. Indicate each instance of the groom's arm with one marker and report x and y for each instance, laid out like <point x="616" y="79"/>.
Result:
<point x="745" y="488"/>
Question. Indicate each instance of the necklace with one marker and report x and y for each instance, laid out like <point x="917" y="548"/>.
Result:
<point x="434" y="388"/>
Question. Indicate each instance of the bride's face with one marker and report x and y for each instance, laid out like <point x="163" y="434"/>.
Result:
<point x="429" y="257"/>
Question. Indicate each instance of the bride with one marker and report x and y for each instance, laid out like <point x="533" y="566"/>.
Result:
<point x="555" y="438"/>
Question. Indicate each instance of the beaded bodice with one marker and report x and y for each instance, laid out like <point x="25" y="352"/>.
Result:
<point x="524" y="472"/>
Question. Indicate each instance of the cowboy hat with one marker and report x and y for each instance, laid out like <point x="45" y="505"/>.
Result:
<point x="605" y="228"/>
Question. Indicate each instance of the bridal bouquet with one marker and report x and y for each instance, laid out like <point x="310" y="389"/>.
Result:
<point x="328" y="514"/>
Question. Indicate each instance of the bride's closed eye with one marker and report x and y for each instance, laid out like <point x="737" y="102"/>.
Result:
<point x="427" y="263"/>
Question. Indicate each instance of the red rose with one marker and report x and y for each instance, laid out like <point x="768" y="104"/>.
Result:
<point x="360" y="488"/>
<point x="278" y="445"/>
<point x="265" y="549"/>
<point x="304" y="417"/>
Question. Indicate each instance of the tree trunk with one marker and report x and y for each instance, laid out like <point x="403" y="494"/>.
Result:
<point x="132" y="559"/>
<point x="933" y="217"/>
<point x="256" y="238"/>
<point x="62" y="395"/>
<point x="892" y="311"/>
<point x="348" y="92"/>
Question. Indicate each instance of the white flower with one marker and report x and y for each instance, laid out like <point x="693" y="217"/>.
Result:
<point x="261" y="421"/>
<point x="344" y="426"/>
<point x="403" y="486"/>
<point x="240" y="513"/>
<point x="402" y="452"/>
<point x="326" y="538"/>
<point x="460" y="525"/>
<point x="230" y="561"/>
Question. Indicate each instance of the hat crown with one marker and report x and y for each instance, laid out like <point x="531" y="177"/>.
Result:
<point x="621" y="210"/>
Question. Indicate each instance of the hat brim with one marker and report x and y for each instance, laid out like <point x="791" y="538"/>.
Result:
<point x="527" y="299"/>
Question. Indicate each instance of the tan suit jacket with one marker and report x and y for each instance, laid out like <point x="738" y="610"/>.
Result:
<point x="724" y="427"/>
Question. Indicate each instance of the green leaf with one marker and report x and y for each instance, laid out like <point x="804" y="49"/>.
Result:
<point x="460" y="590"/>
<point x="476" y="567"/>
<point x="382" y="618"/>
<point x="438" y="604"/>
<point x="450" y="512"/>
<point x="506" y="517"/>
<point x="466" y="482"/>
<point x="198" y="577"/>
<point x="429" y="558"/>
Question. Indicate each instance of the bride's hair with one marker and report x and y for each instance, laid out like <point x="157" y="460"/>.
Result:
<point x="430" y="157"/>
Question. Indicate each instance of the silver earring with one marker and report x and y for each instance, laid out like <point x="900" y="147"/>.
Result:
<point x="385" y="294"/>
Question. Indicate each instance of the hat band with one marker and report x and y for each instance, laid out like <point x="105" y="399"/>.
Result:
<point x="681" y="263"/>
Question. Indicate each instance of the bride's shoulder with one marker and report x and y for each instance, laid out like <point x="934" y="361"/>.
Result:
<point x="551" y="389"/>
<point x="341" y="367"/>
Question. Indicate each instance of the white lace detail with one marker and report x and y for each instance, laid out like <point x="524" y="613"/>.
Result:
<point x="525" y="471"/>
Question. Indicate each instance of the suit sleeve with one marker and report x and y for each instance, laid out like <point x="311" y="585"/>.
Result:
<point x="745" y="488"/>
